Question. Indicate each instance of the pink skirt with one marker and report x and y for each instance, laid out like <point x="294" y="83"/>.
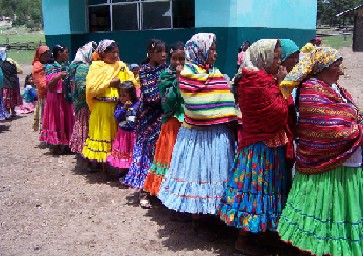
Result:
<point x="122" y="148"/>
<point x="80" y="130"/>
<point x="11" y="97"/>
<point x="58" y="120"/>
<point x="27" y="108"/>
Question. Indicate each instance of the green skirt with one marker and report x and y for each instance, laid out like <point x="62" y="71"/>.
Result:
<point x="323" y="214"/>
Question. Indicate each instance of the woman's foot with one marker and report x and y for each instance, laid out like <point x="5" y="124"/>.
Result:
<point x="144" y="200"/>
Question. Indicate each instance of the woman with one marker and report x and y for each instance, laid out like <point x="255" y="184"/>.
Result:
<point x="259" y="181"/>
<point x="204" y="149"/>
<point x="58" y="119"/>
<point x="42" y="56"/>
<point x="323" y="214"/>
<point x="78" y="71"/>
<point x="102" y="82"/>
<point x="10" y="87"/>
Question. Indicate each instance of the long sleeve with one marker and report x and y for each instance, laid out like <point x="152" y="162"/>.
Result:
<point x="120" y="113"/>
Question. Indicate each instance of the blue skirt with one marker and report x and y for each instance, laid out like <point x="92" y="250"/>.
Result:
<point x="257" y="189"/>
<point x="199" y="169"/>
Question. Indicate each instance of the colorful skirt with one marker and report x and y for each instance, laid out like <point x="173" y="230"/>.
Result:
<point x="122" y="148"/>
<point x="27" y="107"/>
<point x="163" y="152"/>
<point x="257" y="189"/>
<point x="3" y="113"/>
<point x="80" y="130"/>
<point x="38" y="115"/>
<point x="11" y="97"/>
<point x="324" y="213"/>
<point x="102" y="130"/>
<point x="58" y="120"/>
<point x="198" y="169"/>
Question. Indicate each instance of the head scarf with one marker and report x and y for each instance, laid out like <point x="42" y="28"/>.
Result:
<point x="84" y="54"/>
<point x="288" y="47"/>
<point x="132" y="66"/>
<point x="39" y="51"/>
<point x="311" y="64"/>
<point x="103" y="44"/>
<point x="196" y="49"/>
<point x="3" y="53"/>
<point x="260" y="55"/>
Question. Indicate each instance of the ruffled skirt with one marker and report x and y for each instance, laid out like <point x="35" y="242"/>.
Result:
<point x="11" y="97"/>
<point x="80" y="130"/>
<point x="198" y="169"/>
<point x="122" y="148"/>
<point x="324" y="213"/>
<point x="58" y="120"/>
<point x="257" y="189"/>
<point x="3" y="113"/>
<point x="102" y="130"/>
<point x="163" y="152"/>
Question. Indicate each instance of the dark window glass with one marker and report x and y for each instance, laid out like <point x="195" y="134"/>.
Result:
<point x="99" y="18"/>
<point x="183" y="13"/>
<point x="156" y="15"/>
<point x="91" y="2"/>
<point x="124" y="17"/>
<point x="124" y="1"/>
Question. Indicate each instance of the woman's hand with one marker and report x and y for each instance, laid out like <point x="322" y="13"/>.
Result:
<point x="115" y="83"/>
<point x="127" y="104"/>
<point x="281" y="74"/>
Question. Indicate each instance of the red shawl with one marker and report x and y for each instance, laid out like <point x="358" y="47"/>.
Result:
<point x="329" y="128"/>
<point x="265" y="112"/>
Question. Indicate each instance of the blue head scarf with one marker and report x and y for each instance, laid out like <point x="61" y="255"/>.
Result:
<point x="3" y="53"/>
<point x="288" y="47"/>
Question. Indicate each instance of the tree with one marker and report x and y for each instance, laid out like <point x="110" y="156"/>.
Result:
<point x="328" y="9"/>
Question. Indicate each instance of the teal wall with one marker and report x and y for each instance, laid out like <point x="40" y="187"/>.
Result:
<point x="132" y="44"/>
<point x="233" y="21"/>
<point x="293" y="14"/>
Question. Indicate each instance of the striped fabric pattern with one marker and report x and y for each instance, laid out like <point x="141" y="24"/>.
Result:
<point x="207" y="96"/>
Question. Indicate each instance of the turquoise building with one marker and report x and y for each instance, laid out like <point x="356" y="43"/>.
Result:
<point x="133" y="22"/>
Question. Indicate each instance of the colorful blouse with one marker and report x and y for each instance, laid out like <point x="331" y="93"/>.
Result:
<point x="78" y="74"/>
<point x="126" y="116"/>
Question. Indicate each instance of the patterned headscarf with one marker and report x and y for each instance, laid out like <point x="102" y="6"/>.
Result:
<point x="260" y="55"/>
<point x="288" y="47"/>
<point x="196" y="49"/>
<point x="311" y="64"/>
<point x="84" y="54"/>
<point x="3" y="53"/>
<point x="103" y="44"/>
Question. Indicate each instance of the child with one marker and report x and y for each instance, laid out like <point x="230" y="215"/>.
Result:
<point x="30" y="96"/>
<point x="125" y="113"/>
<point x="148" y="122"/>
<point x="173" y="114"/>
<point x="102" y="82"/>
<point x="135" y="69"/>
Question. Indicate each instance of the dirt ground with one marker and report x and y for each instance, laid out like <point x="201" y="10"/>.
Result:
<point x="50" y="206"/>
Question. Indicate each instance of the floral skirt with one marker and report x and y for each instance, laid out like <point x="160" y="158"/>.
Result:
<point x="58" y="120"/>
<point x="122" y="149"/>
<point x="324" y="213"/>
<point x="11" y="97"/>
<point x="257" y="189"/>
<point x="3" y="113"/>
<point x="80" y="130"/>
<point x="163" y="152"/>
<point x="198" y="169"/>
<point x="102" y="130"/>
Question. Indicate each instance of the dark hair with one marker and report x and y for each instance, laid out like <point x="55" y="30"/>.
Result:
<point x="178" y="46"/>
<point x="130" y="89"/>
<point x="112" y="46"/>
<point x="152" y="46"/>
<point x="56" y="49"/>
<point x="26" y="79"/>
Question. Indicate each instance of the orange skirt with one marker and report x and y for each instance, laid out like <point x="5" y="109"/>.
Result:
<point x="162" y="157"/>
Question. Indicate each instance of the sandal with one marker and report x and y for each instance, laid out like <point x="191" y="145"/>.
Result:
<point x="145" y="203"/>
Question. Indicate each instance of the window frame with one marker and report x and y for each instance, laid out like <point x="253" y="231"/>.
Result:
<point x="139" y="4"/>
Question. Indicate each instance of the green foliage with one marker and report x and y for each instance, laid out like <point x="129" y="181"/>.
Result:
<point x="328" y="9"/>
<point x="25" y="10"/>
<point x="338" y="42"/>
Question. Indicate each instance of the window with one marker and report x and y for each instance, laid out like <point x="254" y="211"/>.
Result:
<point x="111" y="15"/>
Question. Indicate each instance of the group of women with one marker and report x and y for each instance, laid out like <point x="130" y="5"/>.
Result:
<point x="178" y="140"/>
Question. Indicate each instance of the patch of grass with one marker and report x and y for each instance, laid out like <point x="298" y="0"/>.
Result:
<point x="337" y="41"/>
<point x="22" y="56"/>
